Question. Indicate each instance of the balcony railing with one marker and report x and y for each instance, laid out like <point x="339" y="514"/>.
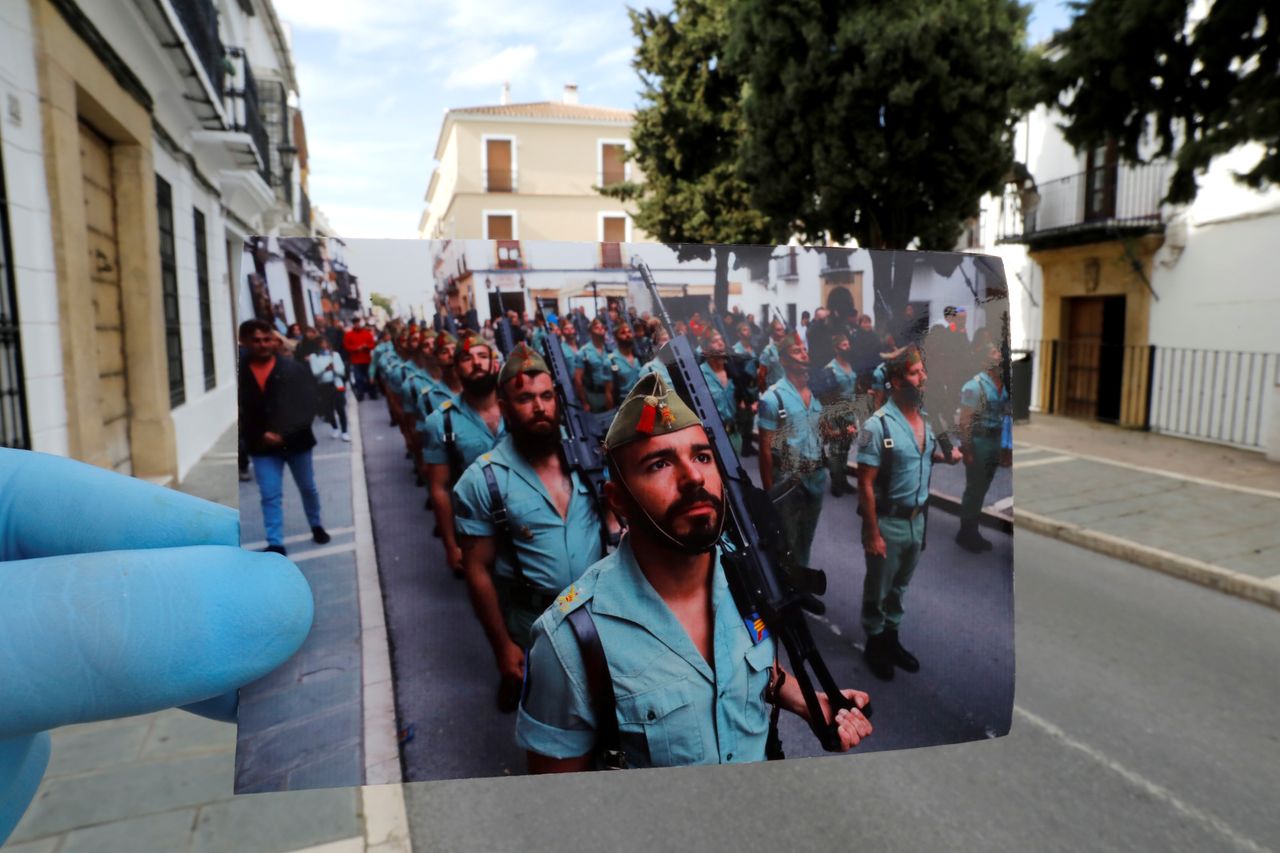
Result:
<point x="245" y="108"/>
<point x="500" y="180"/>
<point x="200" y="22"/>
<point x="1107" y="199"/>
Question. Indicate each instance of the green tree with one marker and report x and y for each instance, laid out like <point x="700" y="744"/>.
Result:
<point x="383" y="302"/>
<point x="1140" y="72"/>
<point x="685" y="137"/>
<point x="883" y="120"/>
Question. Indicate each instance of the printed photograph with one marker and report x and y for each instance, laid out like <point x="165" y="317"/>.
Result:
<point x="582" y="506"/>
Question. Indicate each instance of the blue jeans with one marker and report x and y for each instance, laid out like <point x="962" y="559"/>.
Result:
<point x="269" y="472"/>
<point x="363" y="387"/>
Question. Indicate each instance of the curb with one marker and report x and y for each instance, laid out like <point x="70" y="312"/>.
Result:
<point x="988" y="518"/>
<point x="1206" y="574"/>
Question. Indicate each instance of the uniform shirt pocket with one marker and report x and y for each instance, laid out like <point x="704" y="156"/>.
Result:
<point x="663" y="722"/>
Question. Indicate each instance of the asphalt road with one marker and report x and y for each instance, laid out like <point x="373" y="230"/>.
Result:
<point x="1144" y="718"/>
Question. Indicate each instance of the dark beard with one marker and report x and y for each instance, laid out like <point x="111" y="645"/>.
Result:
<point x="698" y="541"/>
<point x="533" y="444"/>
<point x="480" y="386"/>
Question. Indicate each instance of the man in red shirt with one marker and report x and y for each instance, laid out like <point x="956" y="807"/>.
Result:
<point x="359" y="343"/>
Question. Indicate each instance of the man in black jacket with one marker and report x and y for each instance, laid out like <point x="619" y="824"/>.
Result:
<point x="277" y="405"/>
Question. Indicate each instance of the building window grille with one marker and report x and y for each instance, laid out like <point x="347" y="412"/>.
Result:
<point x="206" y="306"/>
<point x="169" y="291"/>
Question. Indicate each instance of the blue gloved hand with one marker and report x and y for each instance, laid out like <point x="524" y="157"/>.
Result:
<point x="119" y="597"/>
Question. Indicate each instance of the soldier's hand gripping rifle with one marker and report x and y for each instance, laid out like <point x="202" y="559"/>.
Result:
<point x="583" y="431"/>
<point x="753" y="547"/>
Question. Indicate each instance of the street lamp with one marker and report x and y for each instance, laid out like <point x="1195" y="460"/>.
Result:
<point x="287" y="154"/>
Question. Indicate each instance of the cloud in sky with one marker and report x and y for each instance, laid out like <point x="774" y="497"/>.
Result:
<point x="507" y="65"/>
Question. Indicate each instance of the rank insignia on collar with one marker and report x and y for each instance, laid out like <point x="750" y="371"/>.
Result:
<point x="567" y="598"/>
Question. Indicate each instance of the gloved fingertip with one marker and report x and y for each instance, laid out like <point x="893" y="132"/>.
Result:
<point x="22" y="764"/>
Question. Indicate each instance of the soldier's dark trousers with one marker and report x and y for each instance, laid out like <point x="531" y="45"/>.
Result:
<point x="977" y="479"/>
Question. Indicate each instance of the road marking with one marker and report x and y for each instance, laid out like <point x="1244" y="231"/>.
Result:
<point x="1249" y="490"/>
<point x="1157" y="792"/>
<point x="1048" y="460"/>
<point x="327" y="551"/>
<point x="299" y="537"/>
<point x="1002" y="504"/>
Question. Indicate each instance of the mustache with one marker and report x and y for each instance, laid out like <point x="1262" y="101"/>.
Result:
<point x="688" y="501"/>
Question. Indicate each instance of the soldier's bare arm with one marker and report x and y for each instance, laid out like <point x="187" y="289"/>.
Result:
<point x="872" y="541"/>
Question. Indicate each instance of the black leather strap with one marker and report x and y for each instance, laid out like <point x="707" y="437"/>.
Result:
<point x="600" y="683"/>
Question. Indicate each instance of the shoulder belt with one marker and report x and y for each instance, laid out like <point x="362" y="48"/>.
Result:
<point x="600" y="684"/>
<point x="451" y="445"/>
<point x="782" y="409"/>
<point x="498" y="515"/>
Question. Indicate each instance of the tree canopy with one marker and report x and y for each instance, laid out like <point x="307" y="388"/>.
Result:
<point x="1139" y="70"/>
<point x="884" y="120"/>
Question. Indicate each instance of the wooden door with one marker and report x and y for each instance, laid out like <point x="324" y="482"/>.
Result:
<point x="500" y="177"/>
<point x="104" y="273"/>
<point x="1083" y="356"/>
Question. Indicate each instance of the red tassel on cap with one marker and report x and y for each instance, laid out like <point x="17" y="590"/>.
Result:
<point x="647" y="416"/>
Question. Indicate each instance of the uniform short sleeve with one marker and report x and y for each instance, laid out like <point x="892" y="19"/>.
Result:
<point x="767" y="413"/>
<point x="870" y="442"/>
<point x="555" y="717"/>
<point x="433" y="449"/>
<point x="471" y="504"/>
<point x="970" y="394"/>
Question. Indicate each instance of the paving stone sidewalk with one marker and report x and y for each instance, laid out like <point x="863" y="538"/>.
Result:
<point x="1205" y="512"/>
<point x="163" y="782"/>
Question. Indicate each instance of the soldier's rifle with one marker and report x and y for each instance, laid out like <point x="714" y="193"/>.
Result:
<point x="504" y="336"/>
<point x="753" y="547"/>
<point x="583" y="431"/>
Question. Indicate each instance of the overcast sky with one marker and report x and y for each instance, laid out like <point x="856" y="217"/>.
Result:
<point x="376" y="77"/>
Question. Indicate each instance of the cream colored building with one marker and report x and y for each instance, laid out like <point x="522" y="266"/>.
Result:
<point x="513" y="172"/>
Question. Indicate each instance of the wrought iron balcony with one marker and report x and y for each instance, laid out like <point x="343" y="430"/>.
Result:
<point x="1095" y="204"/>
<point x="245" y="109"/>
<point x="199" y="21"/>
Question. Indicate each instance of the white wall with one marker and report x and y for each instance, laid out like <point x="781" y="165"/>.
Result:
<point x="31" y="232"/>
<point x="205" y="415"/>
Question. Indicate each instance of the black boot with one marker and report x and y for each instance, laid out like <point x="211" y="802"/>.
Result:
<point x="969" y="539"/>
<point x="877" y="658"/>
<point x="275" y="549"/>
<point x="900" y="657"/>
<point x="319" y="536"/>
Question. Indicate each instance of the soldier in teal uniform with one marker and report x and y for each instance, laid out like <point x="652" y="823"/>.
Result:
<point x="715" y="369"/>
<point x="594" y="376"/>
<point x="624" y="364"/>
<point x="791" y="448"/>
<point x="896" y="452"/>
<point x="459" y="431"/>
<point x="691" y="682"/>
<point x="984" y="403"/>
<point x="750" y="394"/>
<point x="527" y="523"/>
<point x="771" y="355"/>
<point x="654" y="365"/>
<point x="569" y="345"/>
<point x="840" y="403"/>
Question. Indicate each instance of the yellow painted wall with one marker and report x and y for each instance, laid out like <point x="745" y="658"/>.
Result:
<point x="1066" y="275"/>
<point x="556" y="169"/>
<point x="75" y="87"/>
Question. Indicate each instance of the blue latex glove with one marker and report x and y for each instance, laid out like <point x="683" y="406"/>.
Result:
<point x="119" y="597"/>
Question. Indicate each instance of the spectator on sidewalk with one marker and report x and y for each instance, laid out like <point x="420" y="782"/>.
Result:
<point x="331" y="374"/>
<point x="277" y="405"/>
<point x="309" y="345"/>
<point x="359" y="344"/>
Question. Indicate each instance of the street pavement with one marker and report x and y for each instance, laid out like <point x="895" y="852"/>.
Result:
<point x="1144" y="719"/>
<point x="301" y="725"/>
